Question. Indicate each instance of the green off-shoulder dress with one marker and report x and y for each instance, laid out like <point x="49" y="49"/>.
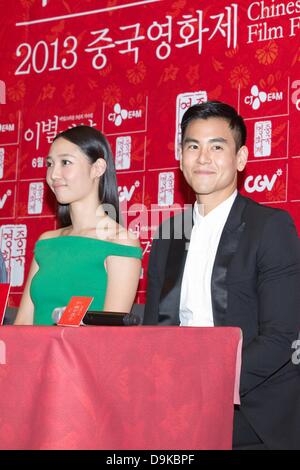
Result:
<point x="72" y="265"/>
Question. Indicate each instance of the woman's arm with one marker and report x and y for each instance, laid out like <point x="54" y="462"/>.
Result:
<point x="26" y="309"/>
<point x="123" y="276"/>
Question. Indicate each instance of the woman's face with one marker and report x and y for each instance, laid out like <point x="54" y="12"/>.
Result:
<point x="70" y="174"/>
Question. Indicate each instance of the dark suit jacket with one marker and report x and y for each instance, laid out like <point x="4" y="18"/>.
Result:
<point x="255" y="285"/>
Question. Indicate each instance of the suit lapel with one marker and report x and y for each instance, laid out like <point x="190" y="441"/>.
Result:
<point x="228" y="245"/>
<point x="170" y="296"/>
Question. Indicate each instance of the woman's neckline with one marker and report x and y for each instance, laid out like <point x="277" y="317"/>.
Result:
<point x="86" y="238"/>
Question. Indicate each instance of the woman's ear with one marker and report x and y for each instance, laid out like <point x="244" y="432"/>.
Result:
<point x="99" y="167"/>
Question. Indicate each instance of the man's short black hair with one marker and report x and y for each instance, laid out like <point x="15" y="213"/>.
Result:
<point x="210" y="109"/>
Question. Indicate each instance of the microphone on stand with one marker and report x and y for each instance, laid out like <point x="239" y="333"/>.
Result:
<point x="132" y="319"/>
<point x="57" y="314"/>
<point x="101" y="318"/>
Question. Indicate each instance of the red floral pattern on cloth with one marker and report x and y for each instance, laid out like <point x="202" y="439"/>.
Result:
<point x="117" y="387"/>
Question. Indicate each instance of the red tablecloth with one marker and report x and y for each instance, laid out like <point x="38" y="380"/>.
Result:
<point x="117" y="387"/>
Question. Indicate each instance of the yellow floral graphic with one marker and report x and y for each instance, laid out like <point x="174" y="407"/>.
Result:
<point x="137" y="74"/>
<point x="111" y="94"/>
<point x="239" y="76"/>
<point x="17" y="92"/>
<point x="54" y="31"/>
<point x="216" y="93"/>
<point x="193" y="74"/>
<point x="111" y="3"/>
<point x="270" y="82"/>
<point x="278" y="192"/>
<point x="217" y="65"/>
<point x="47" y="92"/>
<point x="92" y="84"/>
<point x="277" y="137"/>
<point x="267" y="54"/>
<point x="170" y="73"/>
<point x="107" y="69"/>
<point x="138" y="102"/>
<point x="232" y="52"/>
<point x="27" y="3"/>
<point x="296" y="57"/>
<point x="177" y="8"/>
<point x="138" y="153"/>
<point x="68" y="94"/>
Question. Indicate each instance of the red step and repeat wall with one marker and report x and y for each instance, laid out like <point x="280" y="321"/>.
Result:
<point x="131" y="69"/>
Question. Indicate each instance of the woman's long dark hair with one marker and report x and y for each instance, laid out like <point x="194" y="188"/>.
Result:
<point x="94" y="145"/>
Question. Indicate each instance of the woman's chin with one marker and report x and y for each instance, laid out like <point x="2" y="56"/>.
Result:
<point x="63" y="201"/>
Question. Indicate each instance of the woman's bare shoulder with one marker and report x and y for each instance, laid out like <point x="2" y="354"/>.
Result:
<point x="126" y="237"/>
<point x="123" y="236"/>
<point x="113" y="232"/>
<point x="51" y="234"/>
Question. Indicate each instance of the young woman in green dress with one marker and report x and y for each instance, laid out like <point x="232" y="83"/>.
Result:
<point x="91" y="254"/>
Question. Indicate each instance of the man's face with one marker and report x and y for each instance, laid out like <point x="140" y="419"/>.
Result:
<point x="209" y="160"/>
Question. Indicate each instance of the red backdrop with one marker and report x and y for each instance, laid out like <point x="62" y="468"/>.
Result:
<point x="131" y="69"/>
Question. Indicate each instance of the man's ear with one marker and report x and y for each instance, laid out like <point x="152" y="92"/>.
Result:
<point x="99" y="167"/>
<point x="242" y="157"/>
<point x="180" y="155"/>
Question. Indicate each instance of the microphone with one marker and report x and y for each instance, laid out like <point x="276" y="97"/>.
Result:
<point x="57" y="314"/>
<point x="132" y="319"/>
<point x="104" y="318"/>
<point x="101" y="318"/>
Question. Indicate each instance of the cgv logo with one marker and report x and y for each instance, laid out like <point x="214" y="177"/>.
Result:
<point x="125" y="194"/>
<point x="260" y="183"/>
<point x="4" y="198"/>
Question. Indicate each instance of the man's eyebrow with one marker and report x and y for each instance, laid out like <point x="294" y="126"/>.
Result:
<point x="218" y="139"/>
<point x="212" y="140"/>
<point x="190" y="139"/>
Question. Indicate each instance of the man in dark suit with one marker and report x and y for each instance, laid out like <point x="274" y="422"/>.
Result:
<point x="232" y="262"/>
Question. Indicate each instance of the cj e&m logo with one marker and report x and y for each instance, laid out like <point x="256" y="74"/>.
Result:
<point x="7" y="127"/>
<point x="258" y="97"/>
<point x="119" y="115"/>
<point x="261" y="183"/>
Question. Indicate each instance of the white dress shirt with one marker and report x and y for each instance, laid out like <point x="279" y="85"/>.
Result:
<point x="195" y="299"/>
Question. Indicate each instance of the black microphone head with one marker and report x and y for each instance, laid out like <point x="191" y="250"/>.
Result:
<point x="131" y="319"/>
<point x="57" y="314"/>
